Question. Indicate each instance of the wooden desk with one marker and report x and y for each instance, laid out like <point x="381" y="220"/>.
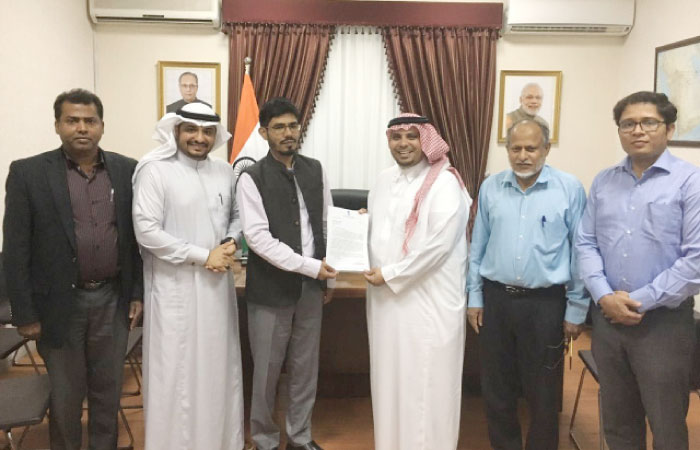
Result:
<point x="344" y="353"/>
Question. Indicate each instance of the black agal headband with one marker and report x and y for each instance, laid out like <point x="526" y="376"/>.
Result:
<point x="196" y="116"/>
<point x="407" y="119"/>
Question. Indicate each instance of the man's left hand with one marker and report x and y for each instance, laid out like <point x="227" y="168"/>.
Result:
<point x="135" y="312"/>
<point x="374" y="276"/>
<point x="572" y="331"/>
<point x="328" y="296"/>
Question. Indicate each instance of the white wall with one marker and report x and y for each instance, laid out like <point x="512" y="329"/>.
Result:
<point x="45" y="49"/>
<point x="656" y="24"/>
<point x="126" y="59"/>
<point x="589" y="87"/>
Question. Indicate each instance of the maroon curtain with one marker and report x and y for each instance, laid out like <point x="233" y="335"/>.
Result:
<point x="449" y="76"/>
<point x="288" y="61"/>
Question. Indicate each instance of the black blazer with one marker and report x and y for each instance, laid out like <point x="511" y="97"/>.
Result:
<point x="39" y="250"/>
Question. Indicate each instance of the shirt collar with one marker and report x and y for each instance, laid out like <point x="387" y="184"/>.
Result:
<point x="191" y="162"/>
<point x="663" y="162"/>
<point x="72" y="164"/>
<point x="413" y="172"/>
<point x="512" y="180"/>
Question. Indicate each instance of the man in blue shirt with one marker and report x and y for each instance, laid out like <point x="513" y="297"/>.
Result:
<point x="524" y="301"/>
<point x="639" y="253"/>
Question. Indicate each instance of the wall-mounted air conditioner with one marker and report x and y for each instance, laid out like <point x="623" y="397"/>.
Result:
<point x="202" y="12"/>
<point x="582" y="17"/>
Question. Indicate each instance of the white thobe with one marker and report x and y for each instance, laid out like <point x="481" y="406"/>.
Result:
<point x="416" y="321"/>
<point x="193" y="396"/>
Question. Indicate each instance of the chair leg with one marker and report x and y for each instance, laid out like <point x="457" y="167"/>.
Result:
<point x="128" y="431"/>
<point x="601" y="431"/>
<point x="573" y="414"/>
<point x="10" y="442"/>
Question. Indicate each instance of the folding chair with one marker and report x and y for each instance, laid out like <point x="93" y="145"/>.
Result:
<point x="23" y="403"/>
<point x="11" y="341"/>
<point x="134" y="342"/>
<point x="589" y="365"/>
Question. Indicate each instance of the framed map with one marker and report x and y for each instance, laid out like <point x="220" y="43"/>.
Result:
<point x="677" y="74"/>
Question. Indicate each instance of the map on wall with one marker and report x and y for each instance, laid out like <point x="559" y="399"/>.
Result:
<point x="678" y="76"/>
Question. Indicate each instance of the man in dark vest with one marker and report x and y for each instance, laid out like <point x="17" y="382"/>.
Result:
<point x="283" y="202"/>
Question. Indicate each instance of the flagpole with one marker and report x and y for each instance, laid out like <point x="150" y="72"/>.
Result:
<point x="247" y="61"/>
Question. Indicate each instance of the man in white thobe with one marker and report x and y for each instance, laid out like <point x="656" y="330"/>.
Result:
<point x="185" y="219"/>
<point x="416" y="301"/>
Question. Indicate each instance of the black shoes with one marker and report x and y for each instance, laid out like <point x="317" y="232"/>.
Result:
<point x="308" y="446"/>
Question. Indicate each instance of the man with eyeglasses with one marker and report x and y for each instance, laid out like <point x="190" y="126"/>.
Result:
<point x="639" y="252"/>
<point x="525" y="299"/>
<point x="284" y="199"/>
<point x="188" y="84"/>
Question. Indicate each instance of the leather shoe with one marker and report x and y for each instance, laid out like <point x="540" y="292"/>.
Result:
<point x="308" y="446"/>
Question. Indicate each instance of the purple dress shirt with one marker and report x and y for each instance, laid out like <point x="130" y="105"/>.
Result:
<point x="642" y="235"/>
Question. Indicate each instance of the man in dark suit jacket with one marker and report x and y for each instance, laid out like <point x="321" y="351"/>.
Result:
<point x="73" y="270"/>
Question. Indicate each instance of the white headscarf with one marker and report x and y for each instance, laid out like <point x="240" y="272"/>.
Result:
<point x="196" y="113"/>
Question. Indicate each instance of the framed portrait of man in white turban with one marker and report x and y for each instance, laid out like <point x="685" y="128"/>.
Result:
<point x="180" y="83"/>
<point x="529" y="94"/>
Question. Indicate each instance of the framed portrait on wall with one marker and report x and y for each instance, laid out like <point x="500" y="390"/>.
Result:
<point x="181" y="82"/>
<point x="529" y="94"/>
<point x="677" y="74"/>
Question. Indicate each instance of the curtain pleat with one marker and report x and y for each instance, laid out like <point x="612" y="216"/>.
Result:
<point x="289" y="60"/>
<point x="449" y="76"/>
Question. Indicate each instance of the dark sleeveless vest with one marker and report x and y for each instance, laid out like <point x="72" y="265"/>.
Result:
<point x="265" y="283"/>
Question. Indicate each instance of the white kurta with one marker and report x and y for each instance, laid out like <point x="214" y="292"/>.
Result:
<point x="416" y="321"/>
<point x="193" y="395"/>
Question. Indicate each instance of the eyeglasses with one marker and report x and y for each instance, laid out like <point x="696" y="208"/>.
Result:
<point x="647" y="124"/>
<point x="280" y="127"/>
<point x="188" y="86"/>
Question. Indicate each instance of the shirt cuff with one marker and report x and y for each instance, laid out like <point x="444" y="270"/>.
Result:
<point x="310" y="267"/>
<point x="476" y="299"/>
<point x="599" y="289"/>
<point x="576" y="312"/>
<point x="389" y="273"/>
<point x="197" y="255"/>
<point x="644" y="296"/>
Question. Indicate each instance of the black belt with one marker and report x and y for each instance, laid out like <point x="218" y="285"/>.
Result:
<point x="556" y="290"/>
<point x="91" y="285"/>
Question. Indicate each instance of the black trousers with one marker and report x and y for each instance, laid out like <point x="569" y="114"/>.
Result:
<point x="644" y="372"/>
<point x="91" y="361"/>
<point x="521" y="347"/>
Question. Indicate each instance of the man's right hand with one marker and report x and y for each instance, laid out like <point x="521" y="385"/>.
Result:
<point x="30" y="331"/>
<point x="221" y="258"/>
<point x="326" y="271"/>
<point x="618" y="307"/>
<point x="476" y="318"/>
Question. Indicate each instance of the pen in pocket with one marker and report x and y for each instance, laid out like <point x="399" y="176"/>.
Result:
<point x="544" y="220"/>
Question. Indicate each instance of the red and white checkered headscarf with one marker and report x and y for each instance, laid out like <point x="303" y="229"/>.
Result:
<point x="435" y="150"/>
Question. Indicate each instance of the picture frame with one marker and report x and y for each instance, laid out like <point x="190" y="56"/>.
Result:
<point x="201" y="81"/>
<point x="523" y="84"/>
<point x="676" y="74"/>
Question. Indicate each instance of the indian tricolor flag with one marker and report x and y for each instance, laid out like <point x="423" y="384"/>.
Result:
<point x="246" y="138"/>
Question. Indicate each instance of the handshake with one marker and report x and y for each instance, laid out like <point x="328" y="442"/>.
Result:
<point x="221" y="258"/>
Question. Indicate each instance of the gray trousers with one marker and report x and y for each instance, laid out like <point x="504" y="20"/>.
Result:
<point x="91" y="361"/>
<point x="275" y="332"/>
<point x="644" y="370"/>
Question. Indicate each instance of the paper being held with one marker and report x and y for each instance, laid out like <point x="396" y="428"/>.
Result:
<point x="346" y="246"/>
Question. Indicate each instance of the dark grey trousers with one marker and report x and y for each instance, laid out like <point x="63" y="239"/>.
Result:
<point x="293" y="332"/>
<point x="91" y="361"/>
<point x="521" y="348"/>
<point x="644" y="371"/>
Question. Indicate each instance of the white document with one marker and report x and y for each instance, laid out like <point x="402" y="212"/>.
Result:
<point x="346" y="246"/>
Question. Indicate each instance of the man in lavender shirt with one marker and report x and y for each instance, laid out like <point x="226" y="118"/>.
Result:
<point x="639" y="252"/>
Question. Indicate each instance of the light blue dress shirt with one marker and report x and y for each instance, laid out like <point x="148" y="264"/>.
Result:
<point x="526" y="238"/>
<point x="642" y="235"/>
